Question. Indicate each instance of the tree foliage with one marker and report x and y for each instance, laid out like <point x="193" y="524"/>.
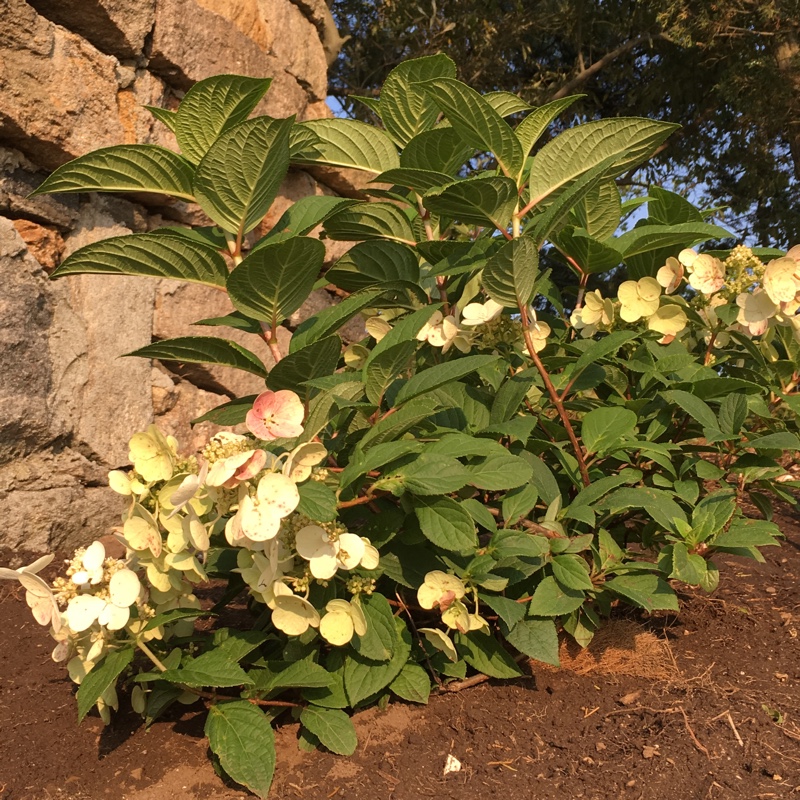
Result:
<point x="728" y="72"/>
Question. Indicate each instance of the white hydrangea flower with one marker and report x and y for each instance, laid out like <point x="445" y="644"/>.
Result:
<point x="539" y="332"/>
<point x="639" y="299"/>
<point x="260" y="516"/>
<point x="481" y="313"/>
<point x="233" y="470"/>
<point x="186" y="492"/>
<point x="440" y="589"/>
<point x="341" y="621"/>
<point x="755" y="311"/>
<point x="669" y="320"/>
<point x="707" y="274"/>
<point x="597" y="310"/>
<point x="92" y="563"/>
<point x="152" y="454"/>
<point x="670" y="275"/>
<point x="440" y="641"/>
<point x="38" y="595"/>
<point x="292" y="614"/>
<point x="781" y="280"/>
<point x="302" y="460"/>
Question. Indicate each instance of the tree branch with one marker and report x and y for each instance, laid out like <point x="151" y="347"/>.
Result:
<point x="589" y="72"/>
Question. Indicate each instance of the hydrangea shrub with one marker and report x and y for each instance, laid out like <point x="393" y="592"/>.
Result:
<point x="507" y="455"/>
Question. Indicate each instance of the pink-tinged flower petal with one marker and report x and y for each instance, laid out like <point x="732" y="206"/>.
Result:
<point x="276" y="415"/>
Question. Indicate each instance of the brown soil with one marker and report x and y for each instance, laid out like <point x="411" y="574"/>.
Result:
<point x="704" y="706"/>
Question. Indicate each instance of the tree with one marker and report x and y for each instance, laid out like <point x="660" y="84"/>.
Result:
<point x="728" y="71"/>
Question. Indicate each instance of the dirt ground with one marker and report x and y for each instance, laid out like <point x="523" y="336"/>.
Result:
<point x="704" y="705"/>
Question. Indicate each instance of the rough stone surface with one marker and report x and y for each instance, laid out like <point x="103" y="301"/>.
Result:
<point x="118" y="27"/>
<point x="74" y="77"/>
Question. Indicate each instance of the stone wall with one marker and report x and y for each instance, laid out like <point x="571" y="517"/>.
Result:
<point x="74" y="77"/>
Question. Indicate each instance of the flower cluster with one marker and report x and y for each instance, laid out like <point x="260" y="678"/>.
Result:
<point x="237" y="494"/>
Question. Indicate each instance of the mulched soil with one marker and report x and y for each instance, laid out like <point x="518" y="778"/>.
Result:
<point x="704" y="705"/>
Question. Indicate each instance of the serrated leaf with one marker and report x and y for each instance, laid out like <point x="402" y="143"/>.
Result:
<point x="239" y="176"/>
<point x="439" y="150"/>
<point x="163" y="115"/>
<point x="646" y="238"/>
<point x="302" y="217"/>
<point x="498" y="472"/>
<point x="508" y="610"/>
<point x="445" y="523"/>
<point x="510" y="274"/>
<point x="204" y="350"/>
<point x="572" y="573"/>
<point x="476" y="122"/>
<point x="693" y="406"/>
<point x="441" y="374"/>
<point x="627" y="141"/>
<point x="149" y="255"/>
<point x="412" y="684"/>
<point x="405" y="108"/>
<point x="484" y="653"/>
<point x="101" y="677"/>
<point x="230" y="413"/>
<point x="380" y="640"/>
<point x="370" y="221"/>
<point x="712" y="513"/>
<point x="430" y="474"/>
<point x="381" y="371"/>
<point x="506" y="104"/>
<point x="552" y="600"/>
<point x="123" y="168"/>
<point x="173" y="615"/>
<point x="599" y="211"/>
<point x="419" y="180"/>
<point x="732" y="413"/>
<point x="290" y="674"/>
<point x="536" y="123"/>
<point x="481" y="200"/>
<point x="317" y="501"/>
<point x="589" y="254"/>
<point x="687" y="567"/>
<point x="213" y="106"/>
<point x="364" y="678"/>
<point x="604" y="428"/>
<point x="333" y="728"/>
<point x="537" y="638"/>
<point x="214" y="668"/>
<point x="782" y="440"/>
<point x="344" y="143"/>
<point x="240" y="735"/>
<point x="656" y="502"/>
<point x="236" y="644"/>
<point x="274" y="281"/>
<point x="645" y="590"/>
<point x="313" y="361"/>
<point x="374" y="263"/>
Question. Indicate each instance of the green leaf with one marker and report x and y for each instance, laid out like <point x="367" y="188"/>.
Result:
<point x="405" y="108"/>
<point x="693" y="406"/>
<point x="364" y="678"/>
<point x="274" y="281"/>
<point x="572" y="572"/>
<point x="536" y="123"/>
<point x="477" y="123"/>
<point x="370" y="221"/>
<point x="239" y="176"/>
<point x="230" y="413"/>
<point x="240" y="735"/>
<point x="151" y="255"/>
<point x="627" y="141"/>
<point x="732" y="413"/>
<point x="477" y="200"/>
<point x="163" y="115"/>
<point x="599" y="211"/>
<point x="446" y="523"/>
<point x="332" y="727"/>
<point x="173" y="615"/>
<point x="344" y="143"/>
<point x="214" y="668"/>
<point x="506" y="104"/>
<point x="657" y="503"/>
<point x="235" y="320"/>
<point x="317" y="501"/>
<point x="646" y="238"/>
<point x="430" y="474"/>
<point x="537" y="638"/>
<point x="601" y="348"/>
<point x="101" y="677"/>
<point x="373" y="264"/>
<point x="604" y="428"/>
<point x="329" y="320"/>
<point x="419" y="180"/>
<point x="204" y="350"/>
<point x="508" y="610"/>
<point x="439" y="150"/>
<point x="441" y="374"/>
<point x="782" y="440"/>
<point x="382" y="370"/>
<point x="236" y="644"/>
<point x="412" y="684"/>
<point x="589" y="254"/>
<point x="552" y="600"/>
<point x="518" y="503"/>
<point x="498" y="472"/>
<point x="687" y="567"/>
<point x="712" y="513"/>
<point x="314" y="361"/>
<point x="645" y="590"/>
<point x="669" y="208"/>
<point x="380" y="640"/>
<point x="510" y="274"/>
<point x="123" y="168"/>
<point x="290" y="675"/>
<point x="213" y="106"/>
<point x="485" y="654"/>
<point x="395" y="425"/>
<point x="747" y="533"/>
<point x="302" y="217"/>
